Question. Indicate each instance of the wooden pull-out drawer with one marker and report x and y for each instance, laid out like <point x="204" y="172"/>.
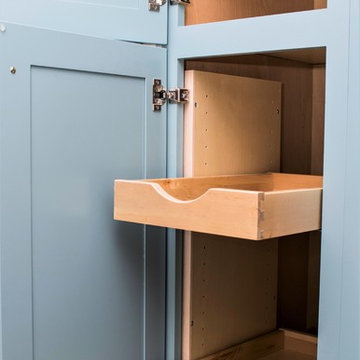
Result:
<point x="254" y="207"/>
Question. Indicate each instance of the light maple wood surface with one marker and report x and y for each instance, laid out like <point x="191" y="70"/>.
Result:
<point x="232" y="124"/>
<point x="311" y="56"/>
<point x="254" y="349"/>
<point x="199" y="11"/>
<point x="303" y="87"/>
<point x="297" y="100"/>
<point x="243" y="306"/>
<point x="276" y="345"/>
<point x="227" y="273"/>
<point x="254" y="207"/>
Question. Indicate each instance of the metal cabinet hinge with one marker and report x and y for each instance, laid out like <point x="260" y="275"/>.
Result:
<point x="154" y="5"/>
<point x="180" y="2"/>
<point x="161" y="95"/>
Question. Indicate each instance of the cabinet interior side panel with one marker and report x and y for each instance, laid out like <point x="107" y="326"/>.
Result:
<point x="318" y="115"/>
<point x="317" y="163"/>
<point x="233" y="291"/>
<point x="236" y="124"/>
<point x="232" y="126"/>
<point x="199" y="11"/>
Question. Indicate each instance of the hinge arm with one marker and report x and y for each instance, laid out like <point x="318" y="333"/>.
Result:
<point x="180" y="2"/>
<point x="161" y="95"/>
<point x="154" y="5"/>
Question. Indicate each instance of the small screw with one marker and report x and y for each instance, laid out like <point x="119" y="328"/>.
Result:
<point x="13" y="69"/>
<point x="2" y="28"/>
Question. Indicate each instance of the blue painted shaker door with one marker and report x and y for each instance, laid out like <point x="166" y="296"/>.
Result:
<point x="75" y="114"/>
<point x="112" y="19"/>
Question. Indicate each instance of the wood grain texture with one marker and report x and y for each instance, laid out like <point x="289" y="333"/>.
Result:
<point x="225" y="162"/>
<point x="253" y="349"/>
<point x="309" y="56"/>
<point x="299" y="342"/>
<point x="251" y="291"/>
<point x="192" y="188"/>
<point x="288" y="355"/>
<point x="232" y="124"/>
<point x="148" y="203"/>
<point x="247" y="209"/>
<point x="293" y="281"/>
<point x="313" y="281"/>
<point x="199" y="11"/>
<point x="297" y="89"/>
<point x="297" y="92"/>
<point x="290" y="212"/>
<point x="320" y="4"/>
<point x="301" y="152"/>
<point x="276" y="345"/>
<point x="188" y="294"/>
<point x="313" y="56"/>
<point x="318" y="115"/>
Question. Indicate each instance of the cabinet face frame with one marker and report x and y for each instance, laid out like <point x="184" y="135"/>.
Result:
<point x="339" y="270"/>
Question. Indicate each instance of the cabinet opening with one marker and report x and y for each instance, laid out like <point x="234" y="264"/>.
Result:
<point x="239" y="296"/>
<point x="200" y="11"/>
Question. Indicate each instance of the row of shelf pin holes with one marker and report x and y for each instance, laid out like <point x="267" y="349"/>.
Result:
<point x="206" y="113"/>
<point x="196" y="105"/>
<point x="204" y="247"/>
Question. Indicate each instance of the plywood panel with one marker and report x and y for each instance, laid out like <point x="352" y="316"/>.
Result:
<point x="253" y="349"/>
<point x="233" y="291"/>
<point x="318" y="115"/>
<point x="288" y="355"/>
<point x="310" y="56"/>
<point x="293" y="281"/>
<point x="313" y="285"/>
<point x="232" y="124"/>
<point x="225" y="272"/>
<point x="277" y="345"/>
<point x="200" y="12"/>
<point x="296" y="113"/>
<point x="314" y="56"/>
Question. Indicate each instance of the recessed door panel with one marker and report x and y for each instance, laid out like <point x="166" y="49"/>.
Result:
<point x="87" y="270"/>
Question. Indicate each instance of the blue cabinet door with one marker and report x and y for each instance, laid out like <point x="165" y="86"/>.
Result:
<point x="112" y="19"/>
<point x="75" y="114"/>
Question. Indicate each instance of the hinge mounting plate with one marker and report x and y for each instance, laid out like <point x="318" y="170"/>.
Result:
<point x="154" y="5"/>
<point x="161" y="95"/>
